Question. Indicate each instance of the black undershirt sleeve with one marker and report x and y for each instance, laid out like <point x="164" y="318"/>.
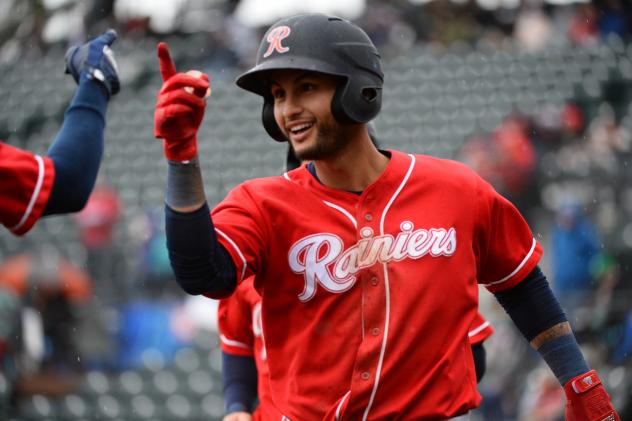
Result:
<point x="239" y="379"/>
<point x="480" y="364"/>
<point x="534" y="309"/>
<point x="532" y="305"/>
<point x="200" y="263"/>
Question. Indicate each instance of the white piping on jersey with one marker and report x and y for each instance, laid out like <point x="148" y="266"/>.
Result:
<point x="524" y="262"/>
<point x="232" y="342"/>
<point x="287" y="177"/>
<point x="477" y="330"/>
<point x="387" y="292"/>
<point x="355" y="225"/>
<point x="36" y="192"/>
<point x="342" y="401"/>
<point x="241" y="255"/>
<point x="362" y="314"/>
<point x="343" y="211"/>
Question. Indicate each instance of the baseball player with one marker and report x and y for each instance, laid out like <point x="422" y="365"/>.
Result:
<point x="367" y="262"/>
<point x="61" y="182"/>
<point x="244" y="360"/>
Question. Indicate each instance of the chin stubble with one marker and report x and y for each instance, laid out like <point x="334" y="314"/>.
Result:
<point x="330" y="140"/>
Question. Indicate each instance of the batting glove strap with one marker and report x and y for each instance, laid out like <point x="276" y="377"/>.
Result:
<point x="95" y="60"/>
<point x="587" y="399"/>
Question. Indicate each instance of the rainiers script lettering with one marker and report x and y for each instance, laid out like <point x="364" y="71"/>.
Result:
<point x="322" y="259"/>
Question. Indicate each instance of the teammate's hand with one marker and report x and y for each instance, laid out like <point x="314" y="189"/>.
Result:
<point x="180" y="108"/>
<point x="95" y="60"/>
<point x="587" y="399"/>
<point x="238" y="416"/>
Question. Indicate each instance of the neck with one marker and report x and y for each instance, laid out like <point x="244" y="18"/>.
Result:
<point x="355" y="168"/>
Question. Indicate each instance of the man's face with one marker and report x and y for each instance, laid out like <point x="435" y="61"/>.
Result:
<point x="302" y="109"/>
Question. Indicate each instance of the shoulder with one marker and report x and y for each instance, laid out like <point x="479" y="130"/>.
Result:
<point x="443" y="165"/>
<point x="444" y="171"/>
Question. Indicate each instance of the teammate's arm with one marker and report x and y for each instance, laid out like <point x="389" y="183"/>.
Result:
<point x="540" y="318"/>
<point x="78" y="147"/>
<point x="61" y="182"/>
<point x="200" y="263"/>
<point x="239" y="380"/>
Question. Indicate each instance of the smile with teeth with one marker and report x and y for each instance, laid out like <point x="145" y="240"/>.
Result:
<point x="300" y="128"/>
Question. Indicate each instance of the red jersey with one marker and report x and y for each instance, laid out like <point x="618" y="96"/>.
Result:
<point x="26" y="181"/>
<point x="367" y="300"/>
<point x="480" y="330"/>
<point x="239" y="323"/>
<point x="241" y="333"/>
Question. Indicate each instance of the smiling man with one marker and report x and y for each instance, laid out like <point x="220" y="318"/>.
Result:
<point x="367" y="261"/>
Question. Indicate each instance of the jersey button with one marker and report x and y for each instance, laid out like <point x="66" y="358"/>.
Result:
<point x="368" y="217"/>
<point x="374" y="281"/>
<point x="365" y="375"/>
<point x="375" y="331"/>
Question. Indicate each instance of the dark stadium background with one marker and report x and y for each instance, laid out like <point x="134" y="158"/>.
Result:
<point x="535" y="95"/>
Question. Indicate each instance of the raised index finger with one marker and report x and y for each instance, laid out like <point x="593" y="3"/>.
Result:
<point x="167" y="68"/>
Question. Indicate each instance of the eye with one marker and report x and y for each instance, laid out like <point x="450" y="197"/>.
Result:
<point x="307" y="86"/>
<point x="278" y="93"/>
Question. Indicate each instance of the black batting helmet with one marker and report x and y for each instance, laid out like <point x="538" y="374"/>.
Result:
<point x="323" y="44"/>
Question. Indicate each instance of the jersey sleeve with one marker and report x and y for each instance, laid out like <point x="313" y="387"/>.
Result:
<point x="26" y="182"/>
<point x="239" y="225"/>
<point x="234" y="321"/>
<point x="506" y="250"/>
<point x="480" y="329"/>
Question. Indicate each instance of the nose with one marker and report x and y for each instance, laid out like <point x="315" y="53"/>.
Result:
<point x="291" y="106"/>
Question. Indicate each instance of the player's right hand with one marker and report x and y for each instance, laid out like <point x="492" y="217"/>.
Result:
<point x="238" y="416"/>
<point x="95" y="60"/>
<point x="587" y="399"/>
<point x="180" y="108"/>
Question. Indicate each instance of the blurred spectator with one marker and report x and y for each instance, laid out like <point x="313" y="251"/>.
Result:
<point x="533" y="29"/>
<point x="574" y="244"/>
<point x="96" y="223"/>
<point x="516" y="155"/>
<point x="572" y="120"/>
<point x="613" y="18"/>
<point x="583" y="29"/>
<point x="606" y="139"/>
<point x="605" y="271"/>
<point x="506" y="158"/>
<point x="40" y="297"/>
<point x="155" y="270"/>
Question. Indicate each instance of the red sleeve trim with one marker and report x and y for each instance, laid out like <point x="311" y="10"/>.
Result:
<point x="480" y="333"/>
<point x="233" y="347"/>
<point x="39" y="197"/>
<point x="522" y="270"/>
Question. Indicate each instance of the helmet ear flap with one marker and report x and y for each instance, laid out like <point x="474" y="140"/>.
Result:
<point x="269" y="122"/>
<point x="337" y="105"/>
<point x="355" y="104"/>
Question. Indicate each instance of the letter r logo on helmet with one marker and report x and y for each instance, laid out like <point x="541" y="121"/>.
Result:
<point x="275" y="37"/>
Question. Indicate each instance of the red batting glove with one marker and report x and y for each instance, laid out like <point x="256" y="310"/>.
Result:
<point x="587" y="399"/>
<point x="179" y="113"/>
